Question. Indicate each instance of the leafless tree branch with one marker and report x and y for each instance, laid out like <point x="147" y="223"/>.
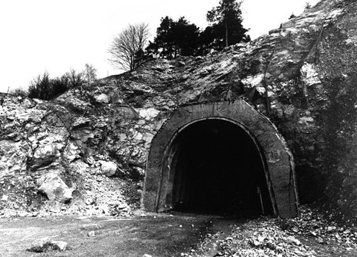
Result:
<point x="127" y="44"/>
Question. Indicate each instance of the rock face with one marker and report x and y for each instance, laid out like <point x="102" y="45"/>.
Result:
<point x="301" y="76"/>
<point x="56" y="159"/>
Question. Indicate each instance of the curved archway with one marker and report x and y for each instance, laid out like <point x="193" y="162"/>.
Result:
<point x="221" y="155"/>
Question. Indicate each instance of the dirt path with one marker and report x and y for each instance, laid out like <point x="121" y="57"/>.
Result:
<point x="156" y="235"/>
<point x="166" y="235"/>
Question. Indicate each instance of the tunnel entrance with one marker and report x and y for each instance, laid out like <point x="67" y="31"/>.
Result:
<point x="220" y="157"/>
<point x="216" y="167"/>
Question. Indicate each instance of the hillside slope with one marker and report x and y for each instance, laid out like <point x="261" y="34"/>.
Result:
<point x="79" y="149"/>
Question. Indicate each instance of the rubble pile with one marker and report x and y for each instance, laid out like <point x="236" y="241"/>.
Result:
<point x="260" y="237"/>
<point x="310" y="234"/>
<point x="313" y="224"/>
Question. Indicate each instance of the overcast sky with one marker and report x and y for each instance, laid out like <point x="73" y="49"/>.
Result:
<point x="57" y="35"/>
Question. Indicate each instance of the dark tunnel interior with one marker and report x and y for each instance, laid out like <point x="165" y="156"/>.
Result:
<point x="217" y="168"/>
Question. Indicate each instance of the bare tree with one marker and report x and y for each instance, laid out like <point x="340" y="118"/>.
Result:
<point x="90" y="73"/>
<point x="127" y="44"/>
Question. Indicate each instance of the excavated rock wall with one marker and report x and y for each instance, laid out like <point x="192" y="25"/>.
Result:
<point x="317" y="113"/>
<point x="69" y="154"/>
<point x="301" y="75"/>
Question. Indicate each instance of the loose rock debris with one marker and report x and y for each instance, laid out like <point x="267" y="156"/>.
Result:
<point x="46" y="244"/>
<point x="307" y="235"/>
<point x="255" y="238"/>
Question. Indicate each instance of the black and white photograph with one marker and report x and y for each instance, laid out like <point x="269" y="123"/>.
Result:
<point x="191" y="128"/>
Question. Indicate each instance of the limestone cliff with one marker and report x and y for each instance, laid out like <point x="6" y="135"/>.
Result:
<point x="302" y="76"/>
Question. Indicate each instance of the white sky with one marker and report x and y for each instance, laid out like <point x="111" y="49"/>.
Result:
<point x="57" y="35"/>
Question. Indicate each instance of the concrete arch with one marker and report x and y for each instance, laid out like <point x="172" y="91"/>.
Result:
<point x="240" y="120"/>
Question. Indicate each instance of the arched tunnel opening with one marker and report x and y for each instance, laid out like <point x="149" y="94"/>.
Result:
<point x="222" y="157"/>
<point x="217" y="167"/>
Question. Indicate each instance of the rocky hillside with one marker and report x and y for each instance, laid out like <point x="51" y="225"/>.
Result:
<point x="78" y="152"/>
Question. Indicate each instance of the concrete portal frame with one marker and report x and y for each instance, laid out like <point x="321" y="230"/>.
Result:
<point x="277" y="159"/>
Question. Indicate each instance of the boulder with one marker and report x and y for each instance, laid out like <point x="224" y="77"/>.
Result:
<point x="108" y="168"/>
<point x="54" y="188"/>
<point x="102" y="98"/>
<point x="46" y="244"/>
